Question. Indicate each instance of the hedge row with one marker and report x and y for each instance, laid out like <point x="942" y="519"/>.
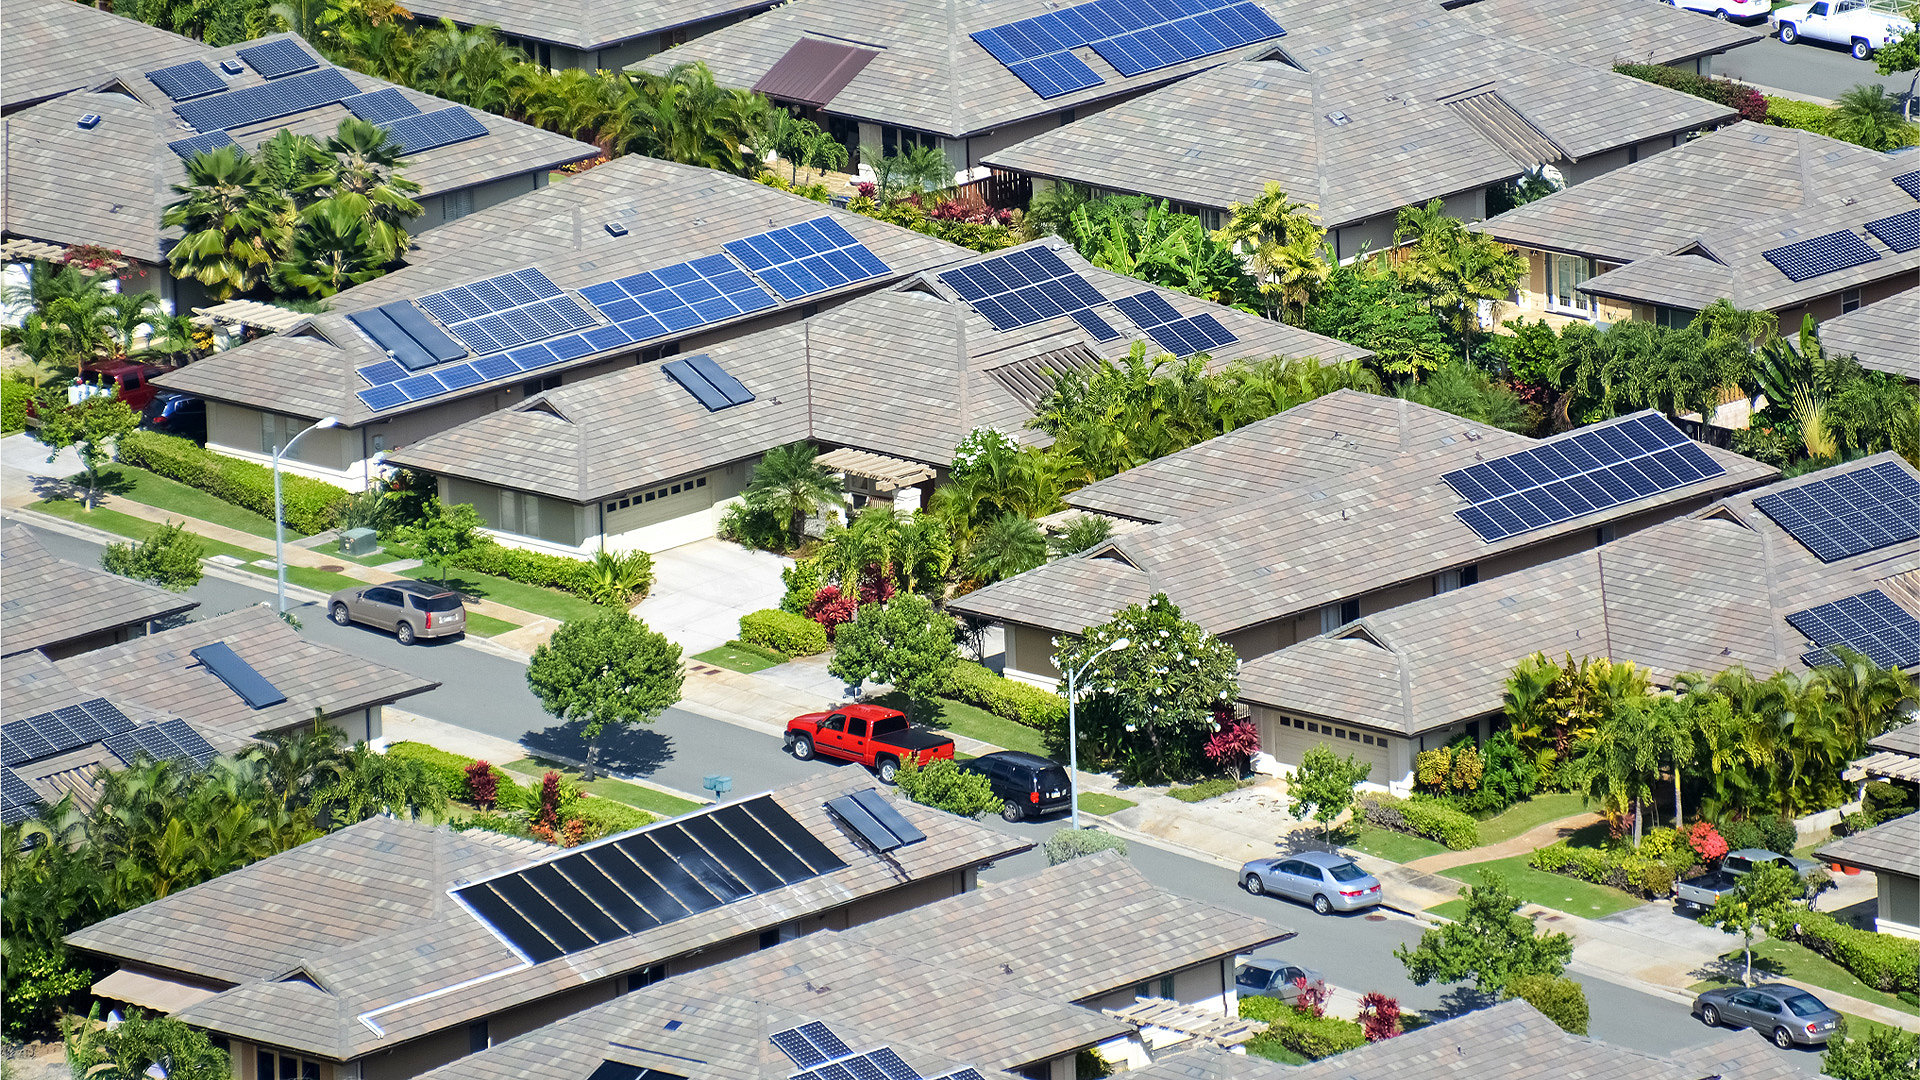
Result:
<point x="14" y="396"/>
<point x="1649" y="870"/>
<point x="450" y="770"/>
<point x="311" y="505"/>
<point x="1882" y="961"/>
<point x="538" y="568"/>
<point x="783" y="632"/>
<point x="1437" y="822"/>
<point x="1017" y="701"/>
<point x="1750" y="103"/>
<point x="1309" y="1036"/>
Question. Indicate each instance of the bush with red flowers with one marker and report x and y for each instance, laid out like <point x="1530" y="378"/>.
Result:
<point x="1234" y="744"/>
<point x="1706" y="842"/>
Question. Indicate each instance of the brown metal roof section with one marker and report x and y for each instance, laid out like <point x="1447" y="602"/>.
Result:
<point x="813" y="71"/>
<point x="1494" y="117"/>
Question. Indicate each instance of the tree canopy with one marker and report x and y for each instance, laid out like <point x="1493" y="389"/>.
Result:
<point x="605" y="671"/>
<point x="904" y="642"/>
<point x="1491" y="943"/>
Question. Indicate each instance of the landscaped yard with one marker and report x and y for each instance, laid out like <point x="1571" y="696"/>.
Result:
<point x="959" y="718"/>
<point x="131" y="527"/>
<point x="1451" y="909"/>
<point x="1556" y="891"/>
<point x="1099" y="802"/>
<point x="1278" y="1053"/>
<point x="1531" y="814"/>
<point x="734" y="659"/>
<point x="1393" y="846"/>
<point x="141" y="486"/>
<point x="1797" y="962"/>
<point x="646" y="798"/>
<point x="552" y="603"/>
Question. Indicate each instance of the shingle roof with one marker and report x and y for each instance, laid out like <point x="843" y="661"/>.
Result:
<point x="905" y="372"/>
<point x="1901" y="740"/>
<point x="1071" y="932"/>
<point x="1369" y="126"/>
<point x="1892" y="847"/>
<point x="929" y="74"/>
<point x="1667" y="201"/>
<point x="580" y="24"/>
<point x="50" y="600"/>
<point x="52" y="47"/>
<point x="159" y="672"/>
<point x="1312" y="543"/>
<point x="1697" y="594"/>
<point x="422" y="963"/>
<point x="672" y="213"/>
<point x="1602" y="33"/>
<point x="1884" y="335"/>
<point x="110" y="184"/>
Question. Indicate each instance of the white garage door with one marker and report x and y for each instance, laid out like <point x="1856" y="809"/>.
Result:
<point x="662" y="517"/>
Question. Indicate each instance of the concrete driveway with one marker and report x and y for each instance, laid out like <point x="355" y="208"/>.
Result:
<point x="700" y="590"/>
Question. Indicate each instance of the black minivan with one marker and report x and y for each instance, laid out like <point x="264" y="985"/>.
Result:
<point x="1030" y="784"/>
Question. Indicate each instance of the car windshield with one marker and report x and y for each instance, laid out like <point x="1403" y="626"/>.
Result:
<point x="1805" y="1005"/>
<point x="437" y="603"/>
<point x="1346" y="871"/>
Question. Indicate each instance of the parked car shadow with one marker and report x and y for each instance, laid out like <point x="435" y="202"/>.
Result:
<point x="633" y="749"/>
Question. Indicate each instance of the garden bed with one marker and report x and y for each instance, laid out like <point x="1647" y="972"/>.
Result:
<point x="606" y="787"/>
<point x="1209" y="789"/>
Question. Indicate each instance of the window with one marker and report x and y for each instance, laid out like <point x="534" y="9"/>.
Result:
<point x="1349" y="611"/>
<point x="702" y="482"/>
<point x="1673" y="318"/>
<point x="611" y="507"/>
<point x="541" y="385"/>
<point x="1165" y="988"/>
<point x="1448" y="580"/>
<point x="898" y="140"/>
<point x="1849" y="301"/>
<point x="455" y="205"/>
<point x="770" y="938"/>
<point x="275" y="1066"/>
<point x="1367" y="739"/>
<point x="858" y="728"/>
<point x="1565" y="274"/>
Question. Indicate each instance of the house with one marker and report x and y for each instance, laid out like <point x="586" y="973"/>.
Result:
<point x="1892" y="851"/>
<point x="71" y="180"/>
<point x="546" y="273"/>
<point x="1819" y="227"/>
<point x="970" y="79"/>
<point x="1883" y="335"/>
<point x="561" y="34"/>
<point x="1361" y="113"/>
<point x="1895" y="756"/>
<point x="1725" y="586"/>
<point x="61" y="608"/>
<point x="55" y="47"/>
<point x="891" y="381"/>
<point x="1264" y="542"/>
<point x="429" y="944"/>
<point x="1609" y="32"/>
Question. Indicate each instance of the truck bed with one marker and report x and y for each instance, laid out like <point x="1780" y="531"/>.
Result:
<point x="914" y="739"/>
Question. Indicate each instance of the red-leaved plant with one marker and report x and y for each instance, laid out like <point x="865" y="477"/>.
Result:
<point x="1706" y="842"/>
<point x="549" y="817"/>
<point x="1234" y="744"/>
<point x="1379" y="1016"/>
<point x="482" y="787"/>
<point x="1312" y="1000"/>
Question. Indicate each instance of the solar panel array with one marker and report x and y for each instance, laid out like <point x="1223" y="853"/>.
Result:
<point x="1135" y="36"/>
<point x="651" y="877"/>
<point x="1846" y="515"/>
<point x="1869" y="623"/>
<point x="200" y="144"/>
<point x="380" y="106"/>
<point x="822" y="1055"/>
<point x="17" y="800"/>
<point x="1820" y="255"/>
<point x="268" y="101"/>
<point x="226" y="665"/>
<point x="183" y="82"/>
<point x="277" y="58"/>
<point x="428" y="131"/>
<point x="869" y="814"/>
<point x="1179" y="335"/>
<point x="1092" y="323"/>
<point x="1901" y="232"/>
<point x="810" y="1044"/>
<point x="506" y="310"/>
<point x="1909" y="183"/>
<point x="406" y="336"/>
<point x="810" y="257"/>
<point x="1022" y="287"/>
<point x="708" y="382"/>
<point x="678" y="297"/>
<point x="45" y="734"/>
<point x="171" y="740"/>
<point x="1592" y="470"/>
<point x="620" y="1070"/>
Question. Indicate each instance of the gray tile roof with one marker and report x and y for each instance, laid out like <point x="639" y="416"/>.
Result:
<point x="1607" y="32"/>
<point x="1071" y="932"/>
<point x="158" y="671"/>
<point x="673" y="213"/>
<point x="1207" y="1061"/>
<point x="423" y="963"/>
<point x="50" y="600"/>
<point x="1884" y="335"/>
<point x="1298" y="548"/>
<point x="1391" y="72"/>
<point x="1665" y="202"/>
<point x="579" y="24"/>
<point x="904" y="372"/>
<point x="53" y="47"/>
<point x="1696" y="594"/>
<point x="930" y="75"/>
<point x="30" y="683"/>
<point x="1901" y="740"/>
<point x="1892" y="847"/>
<point x="110" y="184"/>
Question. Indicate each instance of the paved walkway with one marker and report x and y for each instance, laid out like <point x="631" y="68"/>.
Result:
<point x="1537" y="837"/>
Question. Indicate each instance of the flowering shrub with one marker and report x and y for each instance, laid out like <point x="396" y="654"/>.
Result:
<point x="1706" y="842"/>
<point x="94" y="258"/>
<point x="1234" y="744"/>
<point x="1312" y="1000"/>
<point x="981" y="444"/>
<point x="866" y="189"/>
<point x="1379" y="1016"/>
<point x="972" y="213"/>
<point x="482" y="787"/>
<point x="832" y="605"/>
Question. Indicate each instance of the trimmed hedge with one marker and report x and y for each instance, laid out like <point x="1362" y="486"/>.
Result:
<point x="1750" y="103"/>
<point x="536" y="568"/>
<point x="1020" y="702"/>
<point x="14" y="396"/>
<point x="450" y="769"/>
<point x="604" y="817"/>
<point x="1882" y="961"/>
<point x="1313" y="1037"/>
<point x="1435" y="821"/>
<point x="1649" y="871"/>
<point x="783" y="632"/>
<point x="1559" y="998"/>
<point x="1264" y="1009"/>
<point x="311" y="505"/>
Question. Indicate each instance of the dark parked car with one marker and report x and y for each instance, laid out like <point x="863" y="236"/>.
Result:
<point x="1786" y="1014"/>
<point x="1029" y="784"/>
<point x="411" y="609"/>
<point x="177" y="414"/>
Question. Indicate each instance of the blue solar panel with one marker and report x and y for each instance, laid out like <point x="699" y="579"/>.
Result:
<point x="395" y="342"/>
<point x="381" y="106"/>
<point x="182" y="82"/>
<point x="1095" y="325"/>
<point x="171" y="740"/>
<point x="425" y="131"/>
<point x="1055" y="75"/>
<point x="239" y="675"/>
<point x="200" y="144"/>
<point x="382" y="373"/>
<point x="277" y="58"/>
<point x="813" y="256"/>
<point x="1022" y="287"/>
<point x="506" y="310"/>
<point x="1850" y="514"/>
<point x="1820" y="255"/>
<point x="1909" y="183"/>
<point x="381" y="398"/>
<point x="269" y="101"/>
<point x="1135" y="36"/>
<point x="696" y="383"/>
<point x="679" y="297"/>
<point x="17" y="799"/>
<point x="1868" y="623"/>
<point x="1901" y="232"/>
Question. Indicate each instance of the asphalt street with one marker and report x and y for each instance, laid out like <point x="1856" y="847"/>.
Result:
<point x="485" y="691"/>
<point x="1805" y="68"/>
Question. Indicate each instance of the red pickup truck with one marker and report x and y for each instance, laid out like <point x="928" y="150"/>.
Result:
<point x="873" y="735"/>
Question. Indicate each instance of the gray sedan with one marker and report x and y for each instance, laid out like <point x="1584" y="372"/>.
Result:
<point x="1277" y="979"/>
<point x="411" y="609"/>
<point x="1786" y="1014"/>
<point x="1329" y="882"/>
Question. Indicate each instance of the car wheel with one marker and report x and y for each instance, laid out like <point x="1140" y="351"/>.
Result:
<point x="1012" y="811"/>
<point x="1783" y="1038"/>
<point x="1252" y="885"/>
<point x="1861" y="50"/>
<point x="803" y="749"/>
<point x="1321" y="906"/>
<point x="887" y="768"/>
<point x="1788" y="35"/>
<point x="405" y="634"/>
<point x="1723" y="15"/>
<point x="1710" y="1015"/>
<point x="339" y="615"/>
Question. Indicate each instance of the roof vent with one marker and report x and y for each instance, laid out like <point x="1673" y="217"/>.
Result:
<point x="232" y="67"/>
<point x="1339" y="119"/>
<point x="1762" y="138"/>
<point x="614" y="228"/>
<point x="90" y="121"/>
<point x="673" y="1025"/>
<point x="1509" y="601"/>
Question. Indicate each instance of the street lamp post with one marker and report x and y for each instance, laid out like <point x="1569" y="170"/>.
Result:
<point x="1073" y="730"/>
<point x="279" y="512"/>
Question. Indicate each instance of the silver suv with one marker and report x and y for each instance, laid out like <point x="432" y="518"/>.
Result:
<point x="411" y="609"/>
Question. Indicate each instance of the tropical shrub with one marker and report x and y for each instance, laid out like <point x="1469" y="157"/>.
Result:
<point x="783" y="632"/>
<point x="943" y="785"/>
<point x="1507" y="777"/>
<point x="1735" y="95"/>
<point x="758" y="527"/>
<point x="143" y="1045"/>
<point x="1020" y="702"/>
<point x="804" y="580"/>
<point x="1264" y="1009"/>
<point x="311" y="505"/>
<point x="1233" y="746"/>
<point x="1769" y="833"/>
<point x="1070" y="843"/>
<point x="1421" y="817"/>
<point x="1558" y="998"/>
<point x="15" y="394"/>
<point x="604" y="817"/>
<point x="1379" y="1016"/>
<point x="482" y="788"/>
<point x="1794" y="113"/>
<point x="453" y="771"/>
<point x="42" y="983"/>
<point x="1649" y="870"/>
<point x="1706" y="842"/>
<point x="1882" y="961"/>
<point x="1312" y="1036"/>
<point x="169" y="558"/>
<point x="576" y="576"/>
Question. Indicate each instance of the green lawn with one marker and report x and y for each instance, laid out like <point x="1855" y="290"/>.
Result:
<point x="552" y="603"/>
<point x="1797" y="962"/>
<point x="307" y="577"/>
<point x="1394" y="846"/>
<point x="141" y="486"/>
<point x="1452" y="909"/>
<point x="1556" y="891"/>
<point x="959" y="718"/>
<point x="733" y="659"/>
<point x="646" y="798"/>
<point x="131" y="527"/>
<point x="1099" y="802"/>
<point x="482" y="626"/>
<point x="1531" y="814"/>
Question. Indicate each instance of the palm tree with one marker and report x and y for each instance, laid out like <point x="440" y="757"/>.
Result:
<point x="1087" y="531"/>
<point x="685" y="116"/>
<point x="1619" y="762"/>
<point x="234" y="228"/>
<point x="1868" y="116"/>
<point x="361" y="174"/>
<point x="788" y="484"/>
<point x="333" y="249"/>
<point x="1050" y="210"/>
<point x="910" y="171"/>
<point x="1008" y="545"/>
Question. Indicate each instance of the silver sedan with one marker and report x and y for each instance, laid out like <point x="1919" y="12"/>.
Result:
<point x="1328" y="882"/>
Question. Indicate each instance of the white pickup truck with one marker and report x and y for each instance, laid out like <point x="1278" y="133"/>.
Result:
<point x="1861" y="25"/>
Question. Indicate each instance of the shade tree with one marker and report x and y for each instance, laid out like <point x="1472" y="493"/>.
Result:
<point x="609" y="671"/>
